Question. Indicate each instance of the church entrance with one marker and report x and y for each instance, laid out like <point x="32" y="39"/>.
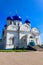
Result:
<point x="13" y="40"/>
<point x="24" y="41"/>
<point x="32" y="43"/>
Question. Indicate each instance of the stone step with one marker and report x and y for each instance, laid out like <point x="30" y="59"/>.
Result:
<point x="38" y="48"/>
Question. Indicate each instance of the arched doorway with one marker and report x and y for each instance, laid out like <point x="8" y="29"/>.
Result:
<point x="24" y="41"/>
<point x="32" y="43"/>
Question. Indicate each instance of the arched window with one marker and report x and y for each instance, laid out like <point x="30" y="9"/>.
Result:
<point x="31" y="36"/>
<point x="11" y="40"/>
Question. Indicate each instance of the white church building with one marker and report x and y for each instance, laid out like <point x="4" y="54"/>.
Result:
<point x="19" y="35"/>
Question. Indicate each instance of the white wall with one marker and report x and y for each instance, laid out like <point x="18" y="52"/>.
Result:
<point x="9" y="44"/>
<point x="38" y="41"/>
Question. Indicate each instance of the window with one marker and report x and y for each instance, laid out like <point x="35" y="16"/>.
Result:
<point x="10" y="40"/>
<point x="14" y="23"/>
<point x="13" y="40"/>
<point x="31" y="36"/>
<point x="24" y="40"/>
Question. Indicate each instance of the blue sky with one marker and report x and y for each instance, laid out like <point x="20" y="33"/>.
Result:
<point x="31" y="8"/>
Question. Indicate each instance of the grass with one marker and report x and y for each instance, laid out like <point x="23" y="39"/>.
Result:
<point x="13" y="50"/>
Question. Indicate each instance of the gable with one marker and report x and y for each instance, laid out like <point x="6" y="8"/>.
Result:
<point x="25" y="27"/>
<point x="12" y="27"/>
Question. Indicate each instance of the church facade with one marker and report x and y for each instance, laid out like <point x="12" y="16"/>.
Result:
<point x="18" y="35"/>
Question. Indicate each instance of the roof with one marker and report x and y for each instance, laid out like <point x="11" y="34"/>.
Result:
<point x="27" y="21"/>
<point x="16" y="17"/>
<point x="5" y="25"/>
<point x="9" y="18"/>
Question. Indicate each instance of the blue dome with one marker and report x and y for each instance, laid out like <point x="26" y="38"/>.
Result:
<point x="5" y="25"/>
<point x="9" y="18"/>
<point x="16" y="17"/>
<point x="27" y="21"/>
